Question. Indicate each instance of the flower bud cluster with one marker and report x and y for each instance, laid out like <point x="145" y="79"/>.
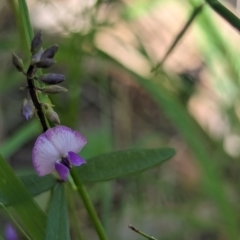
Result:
<point x="40" y="59"/>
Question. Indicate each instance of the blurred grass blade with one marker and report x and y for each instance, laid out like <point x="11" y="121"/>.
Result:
<point x="36" y="184"/>
<point x="225" y="13"/>
<point x="20" y="137"/>
<point x="26" y="23"/>
<point x="14" y="192"/>
<point x="123" y="163"/>
<point x="196" y="11"/>
<point x="57" y="223"/>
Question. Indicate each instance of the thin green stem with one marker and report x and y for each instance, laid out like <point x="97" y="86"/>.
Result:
<point x="220" y="9"/>
<point x="196" y="11"/>
<point x="142" y="233"/>
<point x="89" y="206"/>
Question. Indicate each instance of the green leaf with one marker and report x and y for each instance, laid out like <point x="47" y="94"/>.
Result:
<point x="57" y="223"/>
<point x="118" y="164"/>
<point x="36" y="184"/>
<point x="24" y="14"/>
<point x="15" y="193"/>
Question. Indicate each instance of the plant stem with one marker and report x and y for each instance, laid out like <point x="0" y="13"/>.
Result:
<point x="89" y="206"/>
<point x="33" y="94"/>
<point x="142" y="233"/>
<point x="196" y="11"/>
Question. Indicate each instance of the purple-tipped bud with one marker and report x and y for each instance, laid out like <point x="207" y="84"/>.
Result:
<point x="52" y="78"/>
<point x="17" y="62"/>
<point x="52" y="116"/>
<point x="45" y="63"/>
<point x="36" y="43"/>
<point x="28" y="108"/>
<point x="54" y="89"/>
<point x="50" y="52"/>
<point x="10" y="233"/>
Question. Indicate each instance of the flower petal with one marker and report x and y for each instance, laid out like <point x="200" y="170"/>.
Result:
<point x="65" y="139"/>
<point x="44" y="155"/>
<point x="75" y="159"/>
<point x="62" y="170"/>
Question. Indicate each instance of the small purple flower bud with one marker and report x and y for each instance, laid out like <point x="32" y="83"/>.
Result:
<point x="54" y="89"/>
<point x="36" y="43"/>
<point x="52" y="116"/>
<point x="50" y="52"/>
<point x="52" y="78"/>
<point x="45" y="63"/>
<point x="17" y="62"/>
<point x="10" y="232"/>
<point x="28" y="108"/>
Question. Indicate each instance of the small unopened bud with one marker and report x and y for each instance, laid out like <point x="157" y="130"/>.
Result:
<point x="17" y="62"/>
<point x="45" y="63"/>
<point x="54" y="89"/>
<point x="52" y="116"/>
<point x="52" y="78"/>
<point x="37" y="56"/>
<point x="28" y="108"/>
<point x="50" y="52"/>
<point x="36" y="43"/>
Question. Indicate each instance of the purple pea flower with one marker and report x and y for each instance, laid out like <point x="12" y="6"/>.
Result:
<point x="10" y="232"/>
<point x="56" y="149"/>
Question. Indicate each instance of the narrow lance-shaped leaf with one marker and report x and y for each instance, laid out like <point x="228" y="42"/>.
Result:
<point x="14" y="192"/>
<point x="57" y="223"/>
<point x="119" y="164"/>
